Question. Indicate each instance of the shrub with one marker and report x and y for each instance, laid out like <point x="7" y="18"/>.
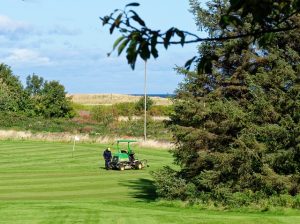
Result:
<point x="53" y="101"/>
<point x="131" y="128"/>
<point x="155" y="129"/>
<point x="125" y="109"/>
<point x="296" y="203"/>
<point x="140" y="105"/>
<point x="161" y="110"/>
<point x="104" y="115"/>
<point x="8" y="99"/>
<point x="169" y="185"/>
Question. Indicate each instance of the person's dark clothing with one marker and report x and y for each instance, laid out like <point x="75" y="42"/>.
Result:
<point x="107" y="154"/>
<point x="107" y="164"/>
<point x="131" y="157"/>
<point x="107" y="157"/>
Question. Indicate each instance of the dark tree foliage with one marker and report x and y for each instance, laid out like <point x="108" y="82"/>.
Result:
<point x="34" y="84"/>
<point x="12" y="95"/>
<point x="48" y="98"/>
<point x="140" y="104"/>
<point x="237" y="123"/>
<point x="265" y="17"/>
<point x="56" y="104"/>
<point x="39" y="98"/>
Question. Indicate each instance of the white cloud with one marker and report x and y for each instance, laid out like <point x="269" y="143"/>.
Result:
<point x="12" y="27"/>
<point x="26" y="56"/>
<point x="62" y="30"/>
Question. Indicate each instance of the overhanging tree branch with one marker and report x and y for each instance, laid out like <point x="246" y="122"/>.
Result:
<point x="140" y="40"/>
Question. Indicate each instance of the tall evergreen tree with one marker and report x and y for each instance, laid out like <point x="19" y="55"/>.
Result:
<point x="236" y="121"/>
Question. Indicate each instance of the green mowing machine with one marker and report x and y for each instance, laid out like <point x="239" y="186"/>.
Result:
<point x="125" y="159"/>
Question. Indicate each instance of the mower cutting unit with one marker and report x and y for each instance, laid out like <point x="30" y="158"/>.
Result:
<point x="125" y="159"/>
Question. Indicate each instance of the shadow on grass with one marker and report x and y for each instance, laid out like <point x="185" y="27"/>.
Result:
<point x="144" y="189"/>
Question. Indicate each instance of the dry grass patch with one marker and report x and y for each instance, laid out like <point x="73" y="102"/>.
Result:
<point x="69" y="137"/>
<point x="154" y="118"/>
<point x="110" y="99"/>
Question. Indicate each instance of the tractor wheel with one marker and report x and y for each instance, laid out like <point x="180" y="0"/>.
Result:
<point x="121" y="168"/>
<point x="138" y="166"/>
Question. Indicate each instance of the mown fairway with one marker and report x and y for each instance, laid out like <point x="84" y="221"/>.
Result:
<point x="40" y="182"/>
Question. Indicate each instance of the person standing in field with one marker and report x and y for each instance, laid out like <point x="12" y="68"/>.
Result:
<point x="107" y="158"/>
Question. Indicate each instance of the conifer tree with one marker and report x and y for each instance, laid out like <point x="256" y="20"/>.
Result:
<point x="236" y="123"/>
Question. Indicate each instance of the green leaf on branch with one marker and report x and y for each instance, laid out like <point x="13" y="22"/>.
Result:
<point x="118" y="19"/>
<point x="122" y="46"/>
<point x="131" y="58"/>
<point x="181" y="35"/>
<point x="134" y="4"/>
<point x="154" y="39"/>
<point x="144" y="50"/>
<point x="168" y="36"/>
<point x="105" y="20"/>
<point x="111" y="29"/>
<point x="132" y="53"/>
<point x="154" y="52"/>
<point x="116" y="43"/>
<point x="116" y="23"/>
<point x="189" y="63"/>
<point x="137" y="18"/>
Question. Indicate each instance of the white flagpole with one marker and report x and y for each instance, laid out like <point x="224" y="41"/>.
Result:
<point x="145" y="102"/>
<point x="75" y="139"/>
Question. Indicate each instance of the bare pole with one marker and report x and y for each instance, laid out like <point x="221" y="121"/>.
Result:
<point x="145" y="102"/>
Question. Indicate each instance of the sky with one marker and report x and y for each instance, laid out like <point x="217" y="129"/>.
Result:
<point x="64" y="40"/>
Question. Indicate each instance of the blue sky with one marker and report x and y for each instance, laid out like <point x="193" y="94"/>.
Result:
<point x="64" y="40"/>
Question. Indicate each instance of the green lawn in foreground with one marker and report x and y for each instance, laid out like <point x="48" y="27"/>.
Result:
<point x="40" y="182"/>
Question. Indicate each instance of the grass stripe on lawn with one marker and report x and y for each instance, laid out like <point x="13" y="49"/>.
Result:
<point x="40" y="182"/>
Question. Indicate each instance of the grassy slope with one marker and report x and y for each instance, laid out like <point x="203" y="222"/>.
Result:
<point x="42" y="183"/>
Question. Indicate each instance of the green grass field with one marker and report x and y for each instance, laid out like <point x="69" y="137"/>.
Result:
<point x="40" y="182"/>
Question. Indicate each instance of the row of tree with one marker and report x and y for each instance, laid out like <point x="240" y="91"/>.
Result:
<point x="37" y="98"/>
